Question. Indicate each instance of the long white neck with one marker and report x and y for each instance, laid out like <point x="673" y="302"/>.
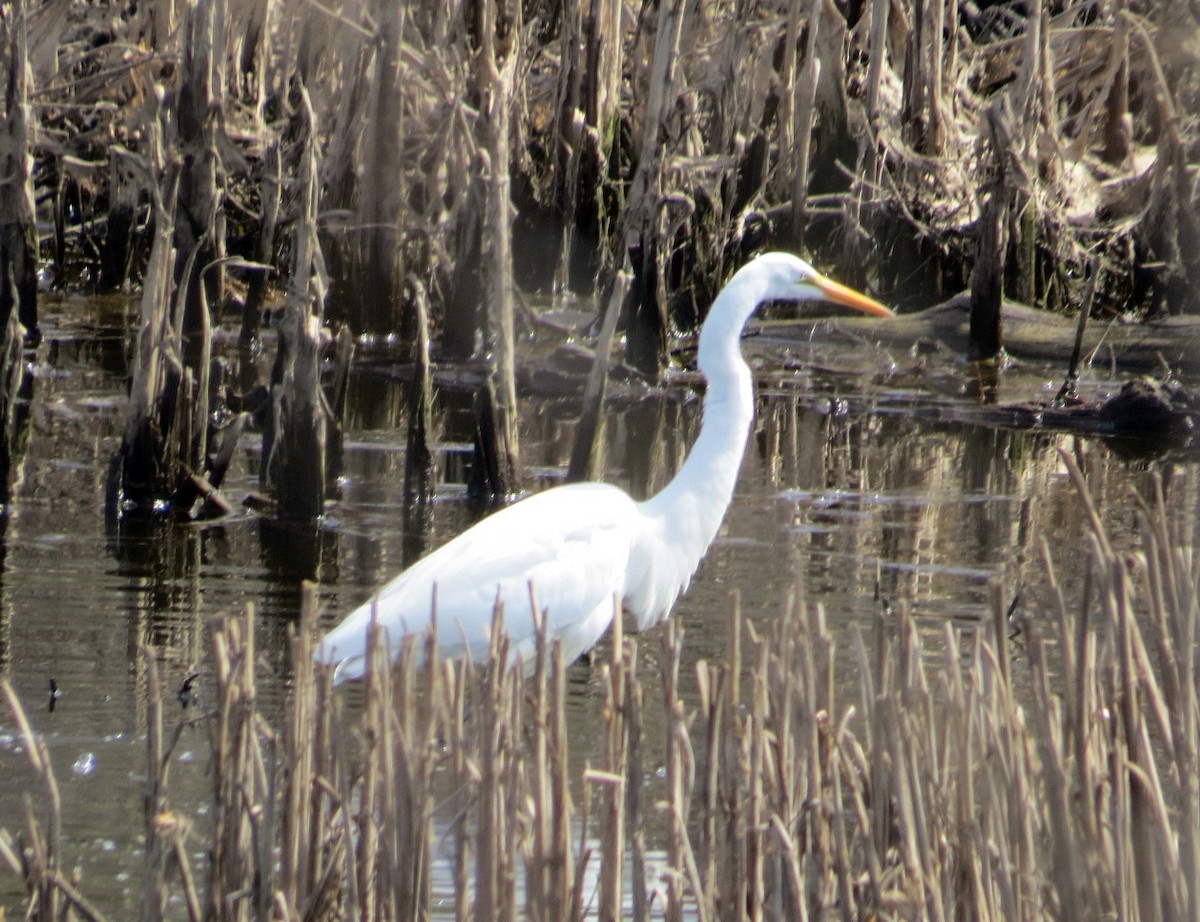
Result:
<point x="683" y="519"/>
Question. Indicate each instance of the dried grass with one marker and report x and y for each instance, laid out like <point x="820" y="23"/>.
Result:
<point x="971" y="778"/>
<point x="366" y="142"/>
<point x="686" y="134"/>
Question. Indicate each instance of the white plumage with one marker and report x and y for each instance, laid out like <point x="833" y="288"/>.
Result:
<point x="584" y="547"/>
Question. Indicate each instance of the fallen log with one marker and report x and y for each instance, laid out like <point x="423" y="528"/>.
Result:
<point x="1030" y="334"/>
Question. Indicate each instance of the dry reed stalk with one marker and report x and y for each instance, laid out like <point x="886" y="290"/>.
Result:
<point x="549" y="865"/>
<point x="680" y="775"/>
<point x="16" y="380"/>
<point x="564" y="896"/>
<point x="18" y="227"/>
<point x="804" y="96"/>
<point x="613" y="777"/>
<point x="156" y="358"/>
<point x="987" y="279"/>
<point x="416" y="721"/>
<point x="538" y="854"/>
<point x="986" y="779"/>
<point x="492" y="854"/>
<point x="37" y="861"/>
<point x="374" y="789"/>
<point x="270" y="194"/>
<point x="236" y="872"/>
<point x="495" y="76"/>
<point x="299" y="849"/>
<point x="418" y="456"/>
<point x="732" y="761"/>
<point x="585" y="134"/>
<point x="378" y="288"/>
<point x="155" y="893"/>
<point x="648" y="323"/>
<point x="568" y="136"/>
<point x="635" y="807"/>
<point x="199" y="231"/>
<point x="294" y="444"/>
<point x="336" y="399"/>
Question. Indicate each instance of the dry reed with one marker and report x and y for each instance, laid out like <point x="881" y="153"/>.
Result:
<point x="970" y="777"/>
<point x="680" y="135"/>
<point x="369" y="141"/>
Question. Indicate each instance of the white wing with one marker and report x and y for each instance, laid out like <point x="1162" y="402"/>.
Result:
<point x="570" y="543"/>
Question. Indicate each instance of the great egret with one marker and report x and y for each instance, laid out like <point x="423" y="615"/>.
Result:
<point x="584" y="546"/>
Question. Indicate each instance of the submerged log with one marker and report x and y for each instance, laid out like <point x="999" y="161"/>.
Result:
<point x="1030" y="334"/>
<point x="1146" y="415"/>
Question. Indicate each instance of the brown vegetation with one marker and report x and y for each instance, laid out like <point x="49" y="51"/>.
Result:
<point x="677" y="138"/>
<point x="973" y="777"/>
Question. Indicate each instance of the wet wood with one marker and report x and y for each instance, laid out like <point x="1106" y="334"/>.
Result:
<point x="294" y="445"/>
<point x="1068" y="385"/>
<point x="1148" y="414"/>
<point x="418" y="457"/>
<point x="987" y="280"/>
<point x="486" y="483"/>
<point x="805" y="91"/>
<point x="495" y="75"/>
<point x="1031" y="335"/>
<point x="144" y="464"/>
<point x="338" y="391"/>
<point x="647" y="323"/>
<point x="116" y="255"/>
<point x="199" y="226"/>
<point x="16" y="387"/>
<point x="271" y="188"/>
<point x="377" y="292"/>
<point x="18" y="229"/>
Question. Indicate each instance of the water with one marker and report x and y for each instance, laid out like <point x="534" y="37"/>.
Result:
<point x="862" y="488"/>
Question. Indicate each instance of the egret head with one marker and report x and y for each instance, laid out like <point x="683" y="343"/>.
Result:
<point x="790" y="278"/>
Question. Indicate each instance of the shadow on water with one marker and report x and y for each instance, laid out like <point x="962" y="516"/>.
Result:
<point x="855" y="490"/>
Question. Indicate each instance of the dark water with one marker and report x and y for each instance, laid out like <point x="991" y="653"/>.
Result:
<point x="863" y="486"/>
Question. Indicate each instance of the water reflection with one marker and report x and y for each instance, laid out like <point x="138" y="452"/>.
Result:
<point x="851" y="490"/>
<point x="16" y="398"/>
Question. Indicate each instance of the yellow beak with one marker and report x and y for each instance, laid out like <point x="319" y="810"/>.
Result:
<point x="840" y="294"/>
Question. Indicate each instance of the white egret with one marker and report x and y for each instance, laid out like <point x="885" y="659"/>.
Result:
<point x="584" y="546"/>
